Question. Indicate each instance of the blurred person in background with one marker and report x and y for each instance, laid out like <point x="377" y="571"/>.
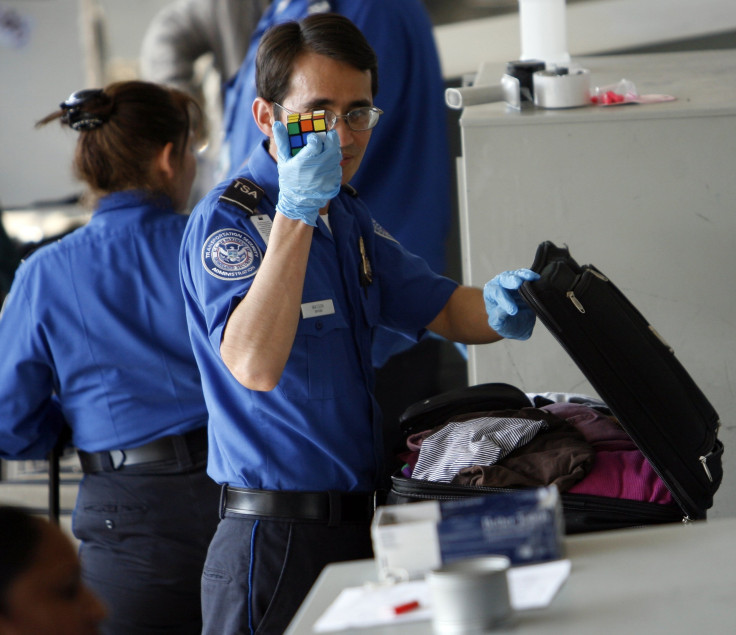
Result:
<point x="41" y="588"/>
<point x="178" y="38"/>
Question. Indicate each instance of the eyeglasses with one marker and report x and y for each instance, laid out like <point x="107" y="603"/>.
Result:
<point x="358" y="119"/>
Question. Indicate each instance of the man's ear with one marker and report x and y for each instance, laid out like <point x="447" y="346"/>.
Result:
<point x="263" y="114"/>
<point x="165" y="161"/>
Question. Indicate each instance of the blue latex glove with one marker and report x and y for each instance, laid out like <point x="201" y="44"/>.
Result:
<point x="310" y="179"/>
<point x="508" y="314"/>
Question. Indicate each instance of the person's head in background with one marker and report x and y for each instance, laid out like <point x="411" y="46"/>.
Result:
<point x="321" y="62"/>
<point x="133" y="135"/>
<point x="41" y="589"/>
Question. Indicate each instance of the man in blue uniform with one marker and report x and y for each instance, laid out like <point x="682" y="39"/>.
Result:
<point x="419" y="216"/>
<point x="286" y="277"/>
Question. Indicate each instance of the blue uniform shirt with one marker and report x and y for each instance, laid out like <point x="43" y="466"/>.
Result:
<point x="320" y="428"/>
<point x="411" y="199"/>
<point x="94" y="333"/>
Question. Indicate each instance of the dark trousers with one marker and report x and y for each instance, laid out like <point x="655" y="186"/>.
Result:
<point x="144" y="542"/>
<point x="258" y="572"/>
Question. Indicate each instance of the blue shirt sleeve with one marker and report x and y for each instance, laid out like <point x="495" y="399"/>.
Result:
<point x="411" y="293"/>
<point x="220" y="256"/>
<point x="30" y="417"/>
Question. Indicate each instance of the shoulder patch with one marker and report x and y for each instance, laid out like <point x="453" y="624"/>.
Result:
<point x="230" y="254"/>
<point x="243" y="193"/>
<point x="380" y="231"/>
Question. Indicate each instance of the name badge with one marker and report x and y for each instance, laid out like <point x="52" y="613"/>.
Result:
<point x="316" y="309"/>
<point x="263" y="225"/>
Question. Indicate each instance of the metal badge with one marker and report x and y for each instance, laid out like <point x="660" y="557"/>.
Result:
<point x="366" y="273"/>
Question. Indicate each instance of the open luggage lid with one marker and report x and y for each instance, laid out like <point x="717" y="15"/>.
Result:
<point x="634" y="371"/>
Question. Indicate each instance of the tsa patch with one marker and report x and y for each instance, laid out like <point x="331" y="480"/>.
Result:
<point x="380" y="231"/>
<point x="230" y="254"/>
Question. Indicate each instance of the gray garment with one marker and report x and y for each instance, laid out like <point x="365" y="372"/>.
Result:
<point x="475" y="439"/>
<point x="185" y="30"/>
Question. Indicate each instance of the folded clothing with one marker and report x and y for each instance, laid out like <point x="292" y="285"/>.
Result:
<point x="620" y="469"/>
<point x="502" y="448"/>
<point x="476" y="438"/>
<point x="559" y="456"/>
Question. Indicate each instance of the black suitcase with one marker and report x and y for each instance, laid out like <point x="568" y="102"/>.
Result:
<point x="634" y="372"/>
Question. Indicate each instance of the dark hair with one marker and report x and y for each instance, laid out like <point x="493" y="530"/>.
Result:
<point x="20" y="534"/>
<point x="328" y="34"/>
<point x="122" y="128"/>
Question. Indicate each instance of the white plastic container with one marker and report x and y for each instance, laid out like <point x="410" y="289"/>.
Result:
<point x="543" y="26"/>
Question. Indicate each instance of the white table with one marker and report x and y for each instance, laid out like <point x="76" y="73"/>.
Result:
<point x="672" y="579"/>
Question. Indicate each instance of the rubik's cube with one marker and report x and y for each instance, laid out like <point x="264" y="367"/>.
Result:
<point x="300" y="125"/>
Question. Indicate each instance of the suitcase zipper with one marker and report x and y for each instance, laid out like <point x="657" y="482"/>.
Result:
<point x="596" y="510"/>
<point x="704" y="461"/>
<point x="661" y="339"/>
<point x="576" y="303"/>
<point x="629" y="511"/>
<point x="597" y="274"/>
<point x="571" y="294"/>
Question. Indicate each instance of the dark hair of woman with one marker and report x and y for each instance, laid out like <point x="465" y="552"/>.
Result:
<point x="122" y="128"/>
<point x="19" y="536"/>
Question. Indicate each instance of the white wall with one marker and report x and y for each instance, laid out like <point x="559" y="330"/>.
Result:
<point x="36" y="77"/>
<point x="34" y="164"/>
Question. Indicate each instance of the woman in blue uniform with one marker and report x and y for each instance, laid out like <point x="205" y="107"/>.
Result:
<point x="94" y="339"/>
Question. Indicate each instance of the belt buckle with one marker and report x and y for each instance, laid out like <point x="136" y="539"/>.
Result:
<point x="117" y="458"/>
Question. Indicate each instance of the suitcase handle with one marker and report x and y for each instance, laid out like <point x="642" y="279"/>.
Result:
<point x="548" y="252"/>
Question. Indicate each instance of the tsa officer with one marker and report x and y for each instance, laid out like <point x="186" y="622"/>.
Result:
<point x="286" y="277"/>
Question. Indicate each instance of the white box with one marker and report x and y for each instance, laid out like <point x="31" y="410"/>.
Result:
<point x="409" y="540"/>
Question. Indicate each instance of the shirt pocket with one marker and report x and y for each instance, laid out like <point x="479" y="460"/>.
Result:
<point x="320" y="358"/>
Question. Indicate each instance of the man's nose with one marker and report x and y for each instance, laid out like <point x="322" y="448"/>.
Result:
<point x="344" y="132"/>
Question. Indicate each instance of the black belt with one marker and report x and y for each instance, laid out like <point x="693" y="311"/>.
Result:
<point x="182" y="451"/>
<point x="331" y="508"/>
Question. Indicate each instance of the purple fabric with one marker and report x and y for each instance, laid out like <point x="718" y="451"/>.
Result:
<point x="620" y="469"/>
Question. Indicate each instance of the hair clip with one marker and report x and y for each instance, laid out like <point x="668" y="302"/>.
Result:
<point x="74" y="116"/>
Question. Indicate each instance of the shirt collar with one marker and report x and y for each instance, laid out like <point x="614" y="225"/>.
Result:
<point x="262" y="169"/>
<point x="132" y="202"/>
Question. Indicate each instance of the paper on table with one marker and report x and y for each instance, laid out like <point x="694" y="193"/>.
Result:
<point x="534" y="586"/>
<point x="372" y="605"/>
<point x="530" y="587"/>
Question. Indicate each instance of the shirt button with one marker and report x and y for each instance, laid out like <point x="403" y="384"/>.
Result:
<point x="109" y="524"/>
<point x="318" y="326"/>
